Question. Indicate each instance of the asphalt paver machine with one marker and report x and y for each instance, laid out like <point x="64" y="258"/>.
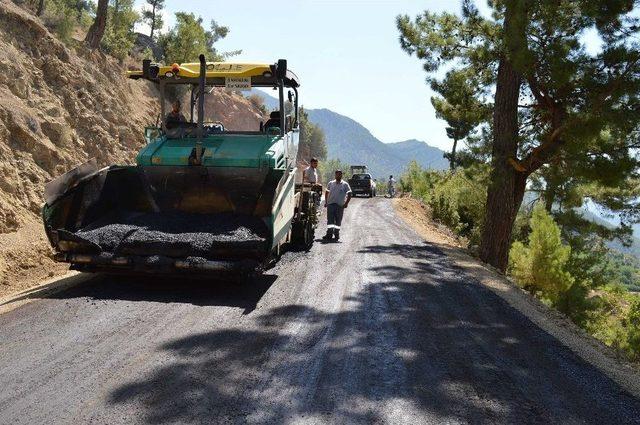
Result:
<point x="200" y="199"/>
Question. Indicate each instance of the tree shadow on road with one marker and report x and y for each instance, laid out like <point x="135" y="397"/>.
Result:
<point x="420" y="341"/>
<point x="232" y="293"/>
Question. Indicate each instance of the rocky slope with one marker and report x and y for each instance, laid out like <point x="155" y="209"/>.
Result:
<point x="61" y="106"/>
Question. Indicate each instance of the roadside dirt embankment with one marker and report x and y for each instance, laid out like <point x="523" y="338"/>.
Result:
<point x="61" y="106"/>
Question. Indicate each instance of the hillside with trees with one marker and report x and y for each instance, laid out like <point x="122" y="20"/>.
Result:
<point x="352" y="143"/>
<point x="349" y="142"/>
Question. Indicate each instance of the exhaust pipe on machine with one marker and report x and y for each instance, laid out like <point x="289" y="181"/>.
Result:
<point x="201" y="85"/>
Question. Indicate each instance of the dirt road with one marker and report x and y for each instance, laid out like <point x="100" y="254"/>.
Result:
<point x="381" y="327"/>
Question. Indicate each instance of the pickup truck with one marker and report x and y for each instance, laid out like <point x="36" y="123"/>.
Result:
<point x="363" y="184"/>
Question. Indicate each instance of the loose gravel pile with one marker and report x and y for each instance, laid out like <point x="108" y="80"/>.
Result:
<point x="178" y="234"/>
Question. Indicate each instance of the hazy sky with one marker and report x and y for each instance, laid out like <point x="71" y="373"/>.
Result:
<point x="346" y="53"/>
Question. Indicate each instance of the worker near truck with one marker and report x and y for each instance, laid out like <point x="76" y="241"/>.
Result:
<point x="337" y="197"/>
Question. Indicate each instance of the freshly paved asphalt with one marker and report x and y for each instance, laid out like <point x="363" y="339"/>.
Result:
<point x="381" y="327"/>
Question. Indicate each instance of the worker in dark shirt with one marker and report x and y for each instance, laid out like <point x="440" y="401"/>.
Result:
<point x="174" y="118"/>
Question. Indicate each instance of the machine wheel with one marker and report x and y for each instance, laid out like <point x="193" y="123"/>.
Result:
<point x="303" y="234"/>
<point x="309" y="234"/>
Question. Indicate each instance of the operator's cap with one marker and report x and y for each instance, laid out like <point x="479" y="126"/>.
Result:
<point x="338" y="171"/>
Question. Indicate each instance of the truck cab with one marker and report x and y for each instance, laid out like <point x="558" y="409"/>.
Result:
<point x="361" y="182"/>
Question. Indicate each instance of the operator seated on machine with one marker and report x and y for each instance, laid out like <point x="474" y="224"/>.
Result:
<point x="175" y="117"/>
<point x="175" y="122"/>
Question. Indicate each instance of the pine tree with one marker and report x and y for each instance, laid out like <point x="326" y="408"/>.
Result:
<point x="188" y="39"/>
<point x="553" y="99"/>
<point x="119" y="36"/>
<point x="96" y="31"/>
<point x="540" y="266"/>
<point x="460" y="105"/>
<point x="153" y="16"/>
<point x="312" y="139"/>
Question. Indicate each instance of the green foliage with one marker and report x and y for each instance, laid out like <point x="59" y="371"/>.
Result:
<point x="63" y="16"/>
<point x="460" y="106"/>
<point x="418" y="181"/>
<point x="616" y="322"/>
<point x="633" y="324"/>
<point x="327" y="170"/>
<point x="188" y="39"/>
<point x="119" y="36"/>
<point x="583" y="279"/>
<point x="312" y="139"/>
<point x="456" y="199"/>
<point x="626" y="269"/>
<point x="540" y="266"/>
<point x="153" y="16"/>
<point x="577" y="116"/>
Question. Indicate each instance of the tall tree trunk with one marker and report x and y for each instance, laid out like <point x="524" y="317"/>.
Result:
<point x="452" y="159"/>
<point x="153" y="21"/>
<point x="116" y="13"/>
<point x="552" y="180"/>
<point x="96" y="31"/>
<point x="507" y="186"/>
<point x="40" y="10"/>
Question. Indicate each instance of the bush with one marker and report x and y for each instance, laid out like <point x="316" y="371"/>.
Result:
<point x="119" y="36"/>
<point x="457" y="199"/>
<point x="633" y="337"/>
<point x="540" y="266"/>
<point x="63" y="16"/>
<point x="616" y="322"/>
<point x="579" y="281"/>
<point x="327" y="170"/>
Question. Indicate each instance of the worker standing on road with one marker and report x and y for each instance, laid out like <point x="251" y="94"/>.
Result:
<point x="336" y="199"/>
<point x="391" y="187"/>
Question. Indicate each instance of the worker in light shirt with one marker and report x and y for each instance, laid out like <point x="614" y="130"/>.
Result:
<point x="336" y="199"/>
<point x="310" y="174"/>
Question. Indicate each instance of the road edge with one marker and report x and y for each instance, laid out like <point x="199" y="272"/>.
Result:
<point x="42" y="290"/>
<point x="589" y="349"/>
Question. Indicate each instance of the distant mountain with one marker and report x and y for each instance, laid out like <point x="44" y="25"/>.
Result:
<point x="427" y="156"/>
<point x="351" y="142"/>
<point x="592" y="214"/>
